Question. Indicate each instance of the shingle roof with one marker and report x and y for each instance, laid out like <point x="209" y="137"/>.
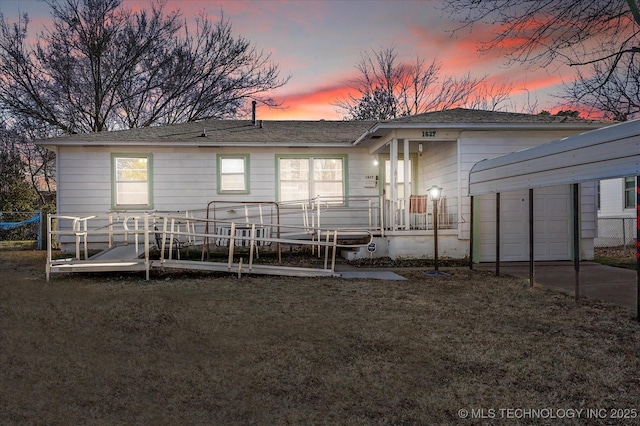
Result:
<point x="305" y="133"/>
<point x="471" y="116"/>
<point x="221" y="132"/>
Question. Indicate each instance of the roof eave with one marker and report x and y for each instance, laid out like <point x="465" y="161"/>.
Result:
<point x="478" y="127"/>
<point x="197" y="144"/>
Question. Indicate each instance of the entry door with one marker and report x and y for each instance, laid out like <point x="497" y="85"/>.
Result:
<point x="552" y="225"/>
<point x="401" y="183"/>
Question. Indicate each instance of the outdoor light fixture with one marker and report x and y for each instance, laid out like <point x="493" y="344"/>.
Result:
<point x="435" y="192"/>
<point x="375" y="161"/>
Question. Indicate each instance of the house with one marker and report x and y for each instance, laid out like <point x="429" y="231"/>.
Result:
<point x="357" y="174"/>
<point x="616" y="212"/>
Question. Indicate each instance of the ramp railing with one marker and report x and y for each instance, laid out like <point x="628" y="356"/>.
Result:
<point x="139" y="232"/>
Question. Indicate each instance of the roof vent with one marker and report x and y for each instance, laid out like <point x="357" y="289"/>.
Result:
<point x="204" y="133"/>
<point x="253" y="112"/>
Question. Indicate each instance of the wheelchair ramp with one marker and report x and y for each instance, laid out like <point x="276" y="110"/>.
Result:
<point x="120" y="252"/>
<point x="244" y="268"/>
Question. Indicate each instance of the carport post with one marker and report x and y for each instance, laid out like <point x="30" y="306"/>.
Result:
<point x="471" y="235"/>
<point x="532" y="275"/>
<point x="497" y="234"/>
<point x="638" y="245"/>
<point x="576" y="238"/>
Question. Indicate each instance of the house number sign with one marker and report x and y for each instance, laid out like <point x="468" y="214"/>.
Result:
<point x="428" y="133"/>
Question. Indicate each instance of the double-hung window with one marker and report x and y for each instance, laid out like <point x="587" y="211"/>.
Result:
<point x="304" y="177"/>
<point x="131" y="181"/>
<point x="233" y="175"/>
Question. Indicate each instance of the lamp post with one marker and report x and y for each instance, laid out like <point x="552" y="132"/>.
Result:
<point x="435" y="192"/>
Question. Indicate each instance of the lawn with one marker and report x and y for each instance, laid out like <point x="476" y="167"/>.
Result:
<point x="214" y="349"/>
<point x="620" y="257"/>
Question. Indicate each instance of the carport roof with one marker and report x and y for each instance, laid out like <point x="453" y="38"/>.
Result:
<point x="605" y="153"/>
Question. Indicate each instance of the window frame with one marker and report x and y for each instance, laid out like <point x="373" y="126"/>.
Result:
<point x="631" y="189"/>
<point x="114" y="181"/>
<point x="246" y="173"/>
<point x="344" y="158"/>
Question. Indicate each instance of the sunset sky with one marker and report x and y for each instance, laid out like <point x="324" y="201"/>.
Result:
<point x="318" y="43"/>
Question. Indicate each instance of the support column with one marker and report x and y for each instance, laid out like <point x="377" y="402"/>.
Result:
<point x="638" y="245"/>
<point x="498" y="234"/>
<point x="393" y="183"/>
<point x="576" y="238"/>
<point x="532" y="274"/>
<point x="407" y="188"/>
<point x="471" y="234"/>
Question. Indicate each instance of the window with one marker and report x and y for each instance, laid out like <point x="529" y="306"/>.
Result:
<point x="131" y="181"/>
<point x="302" y="178"/>
<point x="598" y="196"/>
<point x="630" y="192"/>
<point x="232" y="174"/>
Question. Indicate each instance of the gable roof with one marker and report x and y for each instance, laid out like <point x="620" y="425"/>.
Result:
<point x="226" y="132"/>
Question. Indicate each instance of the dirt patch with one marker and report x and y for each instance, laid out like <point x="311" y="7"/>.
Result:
<point x="15" y="265"/>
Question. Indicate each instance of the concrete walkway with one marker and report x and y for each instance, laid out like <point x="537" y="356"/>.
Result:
<point x="614" y="285"/>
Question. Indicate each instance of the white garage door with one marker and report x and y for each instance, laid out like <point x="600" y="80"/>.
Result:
<point x="552" y="225"/>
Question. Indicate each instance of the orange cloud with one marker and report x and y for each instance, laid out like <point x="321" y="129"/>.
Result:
<point x="315" y="104"/>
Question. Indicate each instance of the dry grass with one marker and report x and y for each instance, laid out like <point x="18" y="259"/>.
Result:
<point x="620" y="257"/>
<point x="214" y="349"/>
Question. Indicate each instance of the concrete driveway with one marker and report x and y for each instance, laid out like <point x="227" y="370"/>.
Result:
<point x="614" y="285"/>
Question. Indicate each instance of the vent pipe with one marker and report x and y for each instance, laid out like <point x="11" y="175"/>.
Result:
<point x="253" y="112"/>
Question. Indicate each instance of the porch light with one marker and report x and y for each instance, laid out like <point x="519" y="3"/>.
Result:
<point x="375" y="161"/>
<point x="435" y="192"/>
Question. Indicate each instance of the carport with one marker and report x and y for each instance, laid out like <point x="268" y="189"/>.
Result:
<point x="605" y="153"/>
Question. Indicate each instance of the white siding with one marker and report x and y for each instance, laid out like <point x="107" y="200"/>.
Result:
<point x="612" y="199"/>
<point x="186" y="179"/>
<point x="552" y="225"/>
<point x="83" y="180"/>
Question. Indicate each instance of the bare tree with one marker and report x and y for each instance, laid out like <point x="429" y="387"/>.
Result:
<point x="614" y="95"/>
<point x="579" y="32"/>
<point x="102" y="66"/>
<point x="207" y="74"/>
<point x="601" y="38"/>
<point x="386" y="88"/>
